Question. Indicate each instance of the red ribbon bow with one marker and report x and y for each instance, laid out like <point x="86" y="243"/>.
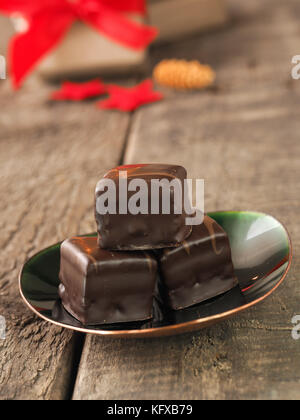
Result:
<point x="49" y="20"/>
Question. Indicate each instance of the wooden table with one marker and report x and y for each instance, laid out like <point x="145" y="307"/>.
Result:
<point x="243" y="138"/>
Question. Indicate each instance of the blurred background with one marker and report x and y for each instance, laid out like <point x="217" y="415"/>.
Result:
<point x="231" y="118"/>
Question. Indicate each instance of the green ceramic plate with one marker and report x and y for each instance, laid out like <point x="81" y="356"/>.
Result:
<point x="261" y="252"/>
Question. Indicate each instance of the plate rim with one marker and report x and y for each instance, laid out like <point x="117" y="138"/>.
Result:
<point x="168" y="330"/>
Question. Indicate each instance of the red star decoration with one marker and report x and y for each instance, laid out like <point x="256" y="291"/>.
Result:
<point x="129" y="99"/>
<point x="79" y="91"/>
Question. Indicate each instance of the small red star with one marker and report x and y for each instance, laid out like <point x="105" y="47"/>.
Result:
<point x="129" y="99"/>
<point x="79" y="91"/>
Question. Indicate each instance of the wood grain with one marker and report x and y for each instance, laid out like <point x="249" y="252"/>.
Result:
<point x="51" y="156"/>
<point x="243" y="139"/>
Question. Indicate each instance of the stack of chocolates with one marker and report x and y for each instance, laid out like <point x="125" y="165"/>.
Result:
<point x="113" y="278"/>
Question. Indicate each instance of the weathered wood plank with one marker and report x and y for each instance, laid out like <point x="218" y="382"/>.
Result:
<point x="51" y="156"/>
<point x="244" y="140"/>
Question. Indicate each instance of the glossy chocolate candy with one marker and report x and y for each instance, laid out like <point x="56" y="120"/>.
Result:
<point x="105" y="287"/>
<point x="199" y="269"/>
<point x="142" y="231"/>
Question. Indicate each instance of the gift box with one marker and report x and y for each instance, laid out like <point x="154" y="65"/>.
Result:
<point x="63" y="38"/>
<point x="84" y="52"/>
<point x="71" y="38"/>
<point x="173" y="18"/>
<point x="178" y="18"/>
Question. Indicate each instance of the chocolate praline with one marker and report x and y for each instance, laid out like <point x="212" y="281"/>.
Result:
<point x="143" y="231"/>
<point x="104" y="287"/>
<point x="199" y="269"/>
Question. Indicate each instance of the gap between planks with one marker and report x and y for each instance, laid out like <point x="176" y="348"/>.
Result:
<point x="80" y="338"/>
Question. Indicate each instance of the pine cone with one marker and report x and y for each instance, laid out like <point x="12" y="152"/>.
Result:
<point x="182" y="74"/>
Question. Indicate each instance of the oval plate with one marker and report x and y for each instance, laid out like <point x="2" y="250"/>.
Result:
<point x="261" y="254"/>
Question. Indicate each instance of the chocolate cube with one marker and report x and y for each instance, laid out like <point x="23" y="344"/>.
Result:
<point x="200" y="268"/>
<point x="147" y="225"/>
<point x="104" y="287"/>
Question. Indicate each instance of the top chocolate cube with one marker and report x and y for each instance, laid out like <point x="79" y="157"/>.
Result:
<point x="141" y="207"/>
